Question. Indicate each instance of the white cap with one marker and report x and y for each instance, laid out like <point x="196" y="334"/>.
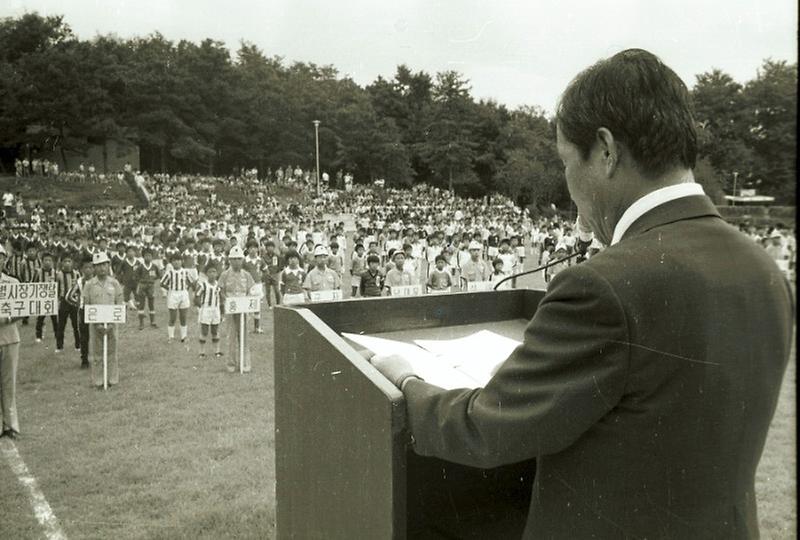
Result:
<point x="320" y="250"/>
<point x="236" y="253"/>
<point x="100" y="257"/>
<point x="475" y="245"/>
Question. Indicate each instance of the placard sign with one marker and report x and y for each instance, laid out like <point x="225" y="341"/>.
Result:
<point x="441" y="291"/>
<point x="105" y="313"/>
<point x="242" y="304"/>
<point x="406" y="290"/>
<point x="479" y="286"/>
<point x="326" y="296"/>
<point x="28" y="299"/>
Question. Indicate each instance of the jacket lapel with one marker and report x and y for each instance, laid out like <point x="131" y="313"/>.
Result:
<point x="690" y="207"/>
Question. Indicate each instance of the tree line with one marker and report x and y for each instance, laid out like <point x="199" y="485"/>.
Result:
<point x="195" y="107"/>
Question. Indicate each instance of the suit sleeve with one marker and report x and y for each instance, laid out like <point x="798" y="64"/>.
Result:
<point x="569" y="372"/>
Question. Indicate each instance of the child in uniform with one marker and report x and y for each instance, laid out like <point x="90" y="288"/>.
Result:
<point x="358" y="264"/>
<point x="291" y="280"/>
<point x="146" y="274"/>
<point x="47" y="273"/>
<point x="254" y="264"/>
<point x="440" y="280"/>
<point x="207" y="299"/>
<point x="177" y="283"/>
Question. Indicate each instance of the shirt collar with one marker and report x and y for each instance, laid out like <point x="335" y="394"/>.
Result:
<point x="650" y="201"/>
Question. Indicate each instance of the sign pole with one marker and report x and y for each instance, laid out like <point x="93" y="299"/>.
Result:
<point x="242" y="329"/>
<point x="105" y="356"/>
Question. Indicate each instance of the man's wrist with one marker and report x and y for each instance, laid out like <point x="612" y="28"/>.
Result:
<point x="405" y="380"/>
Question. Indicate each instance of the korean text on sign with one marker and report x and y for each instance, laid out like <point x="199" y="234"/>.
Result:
<point x="326" y="296"/>
<point x="28" y="299"/>
<point x="242" y="304"/>
<point x="406" y="290"/>
<point x="105" y="313"/>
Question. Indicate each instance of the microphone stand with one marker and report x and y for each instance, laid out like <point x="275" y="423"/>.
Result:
<point x="525" y="273"/>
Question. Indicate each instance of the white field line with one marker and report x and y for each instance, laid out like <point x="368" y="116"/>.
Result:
<point x="41" y="509"/>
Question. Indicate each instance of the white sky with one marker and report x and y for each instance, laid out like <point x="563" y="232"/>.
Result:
<point x="517" y="52"/>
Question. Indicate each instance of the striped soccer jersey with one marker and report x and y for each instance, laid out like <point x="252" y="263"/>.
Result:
<point x="44" y="276"/>
<point x="208" y="294"/>
<point x="28" y="269"/>
<point x="66" y="280"/>
<point x="176" y="280"/>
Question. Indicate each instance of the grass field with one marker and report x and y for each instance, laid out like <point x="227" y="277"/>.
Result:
<point x="183" y="449"/>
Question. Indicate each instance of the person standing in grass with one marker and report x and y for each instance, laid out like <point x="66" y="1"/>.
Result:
<point x="291" y="280"/>
<point x="177" y="282"/>
<point x="271" y="272"/>
<point x="236" y="281"/>
<point x="253" y="264"/>
<point x="103" y="289"/>
<point x="208" y="300"/>
<point x="9" y="357"/>
<point x="45" y="274"/>
<point x="75" y="298"/>
<point x="66" y="278"/>
<point x="358" y="265"/>
<point x="320" y="277"/>
<point x="371" y="279"/>
<point x="146" y="274"/>
<point x="440" y="279"/>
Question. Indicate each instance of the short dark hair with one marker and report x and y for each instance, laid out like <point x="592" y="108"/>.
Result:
<point x="641" y="101"/>
<point x="373" y="259"/>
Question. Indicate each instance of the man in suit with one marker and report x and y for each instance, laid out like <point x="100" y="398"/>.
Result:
<point x="648" y="377"/>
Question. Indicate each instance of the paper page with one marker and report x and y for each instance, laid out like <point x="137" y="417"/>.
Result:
<point x="431" y="368"/>
<point x="478" y="355"/>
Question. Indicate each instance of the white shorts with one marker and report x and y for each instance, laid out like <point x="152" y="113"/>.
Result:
<point x="355" y="281"/>
<point x="292" y="299"/>
<point x="209" y="315"/>
<point x="177" y="299"/>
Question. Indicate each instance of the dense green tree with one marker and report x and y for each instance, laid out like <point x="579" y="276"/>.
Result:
<point x="196" y="107"/>
<point x="772" y="127"/>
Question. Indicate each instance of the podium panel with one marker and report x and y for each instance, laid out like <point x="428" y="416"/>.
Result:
<point x="344" y="466"/>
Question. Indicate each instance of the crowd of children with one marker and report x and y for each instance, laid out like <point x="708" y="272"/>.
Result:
<point x="195" y="248"/>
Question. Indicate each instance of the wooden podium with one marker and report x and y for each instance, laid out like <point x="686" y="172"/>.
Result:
<point x="344" y="468"/>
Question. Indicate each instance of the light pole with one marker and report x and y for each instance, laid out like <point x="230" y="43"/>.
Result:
<point x="316" y="141"/>
<point x="735" y="176"/>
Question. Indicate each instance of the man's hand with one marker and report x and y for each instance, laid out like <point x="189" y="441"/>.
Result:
<point x="395" y="368"/>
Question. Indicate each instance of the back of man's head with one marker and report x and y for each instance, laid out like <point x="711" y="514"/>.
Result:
<point x="641" y="101"/>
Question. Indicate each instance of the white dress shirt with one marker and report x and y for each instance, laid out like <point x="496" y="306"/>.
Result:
<point x="650" y="201"/>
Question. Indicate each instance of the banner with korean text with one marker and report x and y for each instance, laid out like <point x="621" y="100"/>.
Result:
<point x="28" y="299"/>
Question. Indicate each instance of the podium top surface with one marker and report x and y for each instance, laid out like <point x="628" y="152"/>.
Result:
<point x="512" y="328"/>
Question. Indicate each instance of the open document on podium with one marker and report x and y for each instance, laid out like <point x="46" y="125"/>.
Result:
<point x="467" y="362"/>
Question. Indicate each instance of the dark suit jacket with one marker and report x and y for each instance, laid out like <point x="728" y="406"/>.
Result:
<point x="645" y="386"/>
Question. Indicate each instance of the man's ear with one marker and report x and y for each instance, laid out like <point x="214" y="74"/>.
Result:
<point x="609" y="150"/>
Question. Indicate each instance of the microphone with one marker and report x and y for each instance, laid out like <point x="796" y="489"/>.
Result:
<point x="526" y="272"/>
